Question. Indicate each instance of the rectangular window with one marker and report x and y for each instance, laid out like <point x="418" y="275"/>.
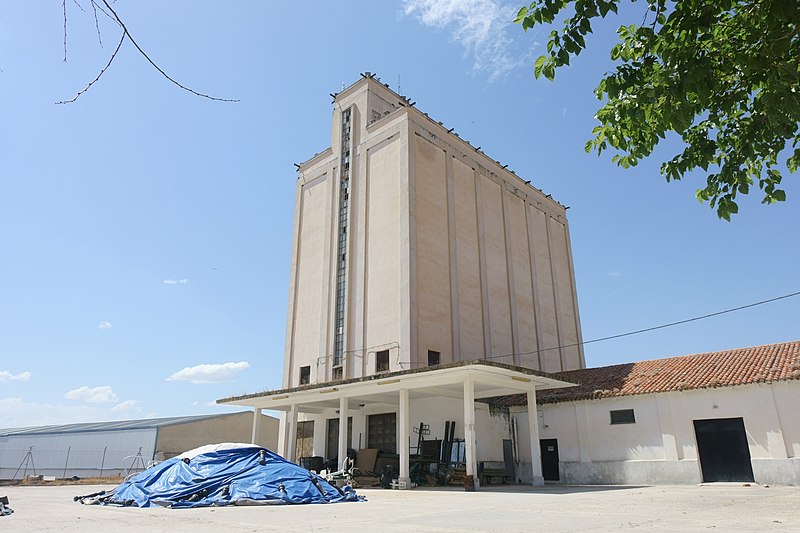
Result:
<point x="433" y="358"/>
<point x="305" y="375"/>
<point x="623" y="416"/>
<point x="382" y="432"/>
<point x="337" y="373"/>
<point x="382" y="361"/>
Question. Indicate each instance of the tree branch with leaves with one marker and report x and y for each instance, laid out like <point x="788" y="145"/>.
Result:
<point x="724" y="75"/>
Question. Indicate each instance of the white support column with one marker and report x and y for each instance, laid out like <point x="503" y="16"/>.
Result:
<point x="536" y="450"/>
<point x="291" y="440"/>
<point x="257" y="418"/>
<point x="282" y="423"/>
<point x="342" y="431"/>
<point x="470" y="455"/>
<point x="405" y="431"/>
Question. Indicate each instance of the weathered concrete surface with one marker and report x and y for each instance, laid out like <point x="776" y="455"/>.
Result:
<point x="551" y="508"/>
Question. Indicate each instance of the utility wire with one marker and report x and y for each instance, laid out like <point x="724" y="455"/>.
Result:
<point x="645" y="330"/>
<point x="662" y="326"/>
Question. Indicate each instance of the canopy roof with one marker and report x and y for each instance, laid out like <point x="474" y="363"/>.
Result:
<point x="490" y="379"/>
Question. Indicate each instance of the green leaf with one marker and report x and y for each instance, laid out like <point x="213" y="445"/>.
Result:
<point x="722" y="75"/>
<point x="537" y="66"/>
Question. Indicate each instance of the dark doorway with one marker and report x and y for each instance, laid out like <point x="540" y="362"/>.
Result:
<point x="332" y="445"/>
<point x="305" y="439"/>
<point x="550" y="459"/>
<point x="722" y="448"/>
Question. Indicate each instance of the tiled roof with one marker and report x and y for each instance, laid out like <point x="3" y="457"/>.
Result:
<point x="742" y="366"/>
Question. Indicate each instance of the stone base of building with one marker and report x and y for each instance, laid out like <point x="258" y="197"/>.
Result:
<point x="777" y="471"/>
<point x="687" y="471"/>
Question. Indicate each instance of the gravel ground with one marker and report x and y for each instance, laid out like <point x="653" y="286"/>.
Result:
<point x="553" y="508"/>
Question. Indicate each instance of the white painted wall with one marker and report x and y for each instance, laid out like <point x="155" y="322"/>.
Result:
<point x="660" y="447"/>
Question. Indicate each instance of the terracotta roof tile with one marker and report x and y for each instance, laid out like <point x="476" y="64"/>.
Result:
<point x="758" y="364"/>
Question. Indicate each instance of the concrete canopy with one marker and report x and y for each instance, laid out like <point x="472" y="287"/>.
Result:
<point x="466" y="380"/>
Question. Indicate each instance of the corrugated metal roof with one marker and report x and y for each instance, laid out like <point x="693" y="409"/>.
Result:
<point x="119" y="425"/>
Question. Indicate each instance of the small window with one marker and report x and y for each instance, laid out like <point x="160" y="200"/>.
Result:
<point x="623" y="416"/>
<point x="337" y="373"/>
<point x="382" y="361"/>
<point x="305" y="375"/>
<point x="433" y="357"/>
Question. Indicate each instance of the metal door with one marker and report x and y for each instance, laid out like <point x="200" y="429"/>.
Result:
<point x="550" y="459"/>
<point x="722" y="449"/>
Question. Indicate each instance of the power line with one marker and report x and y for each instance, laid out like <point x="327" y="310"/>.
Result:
<point x="629" y="333"/>
<point x="653" y="328"/>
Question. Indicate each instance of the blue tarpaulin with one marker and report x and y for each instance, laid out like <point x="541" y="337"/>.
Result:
<point x="229" y="474"/>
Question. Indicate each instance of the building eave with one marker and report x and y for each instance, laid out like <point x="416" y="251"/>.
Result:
<point x="491" y="378"/>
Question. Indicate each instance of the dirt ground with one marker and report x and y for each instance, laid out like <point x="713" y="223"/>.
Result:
<point x="717" y="507"/>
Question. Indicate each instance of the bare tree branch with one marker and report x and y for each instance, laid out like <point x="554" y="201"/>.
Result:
<point x="122" y="39"/>
<point x="79" y="6"/>
<point x="185" y="88"/>
<point x="125" y="34"/>
<point x="96" y="23"/>
<point x="103" y="11"/>
<point x="64" y="8"/>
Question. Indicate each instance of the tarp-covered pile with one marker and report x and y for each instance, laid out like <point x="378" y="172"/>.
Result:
<point x="223" y="474"/>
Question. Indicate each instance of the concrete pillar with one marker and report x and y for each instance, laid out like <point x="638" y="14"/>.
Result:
<point x="282" y="440"/>
<point x="536" y="450"/>
<point x="291" y="440"/>
<point x="405" y="430"/>
<point x="584" y="443"/>
<point x="775" y="440"/>
<point x="470" y="455"/>
<point x="342" y="431"/>
<point x="668" y="440"/>
<point x="257" y="418"/>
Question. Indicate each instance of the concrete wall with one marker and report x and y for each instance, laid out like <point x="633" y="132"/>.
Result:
<point x="661" y="447"/>
<point x="494" y="275"/>
<point x="446" y="251"/>
<point x="177" y="438"/>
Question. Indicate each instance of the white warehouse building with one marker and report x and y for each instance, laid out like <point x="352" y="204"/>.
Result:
<point x="114" y="449"/>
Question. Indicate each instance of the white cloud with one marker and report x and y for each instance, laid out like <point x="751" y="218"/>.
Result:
<point x="102" y="394"/>
<point x="479" y="26"/>
<point x="105" y="324"/>
<point x="5" y="375"/>
<point x="209" y="373"/>
<point x="171" y="281"/>
<point x="127" y="406"/>
<point x="614" y="274"/>
<point x="16" y="412"/>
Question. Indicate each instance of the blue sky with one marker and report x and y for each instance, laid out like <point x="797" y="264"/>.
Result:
<point x="145" y="232"/>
